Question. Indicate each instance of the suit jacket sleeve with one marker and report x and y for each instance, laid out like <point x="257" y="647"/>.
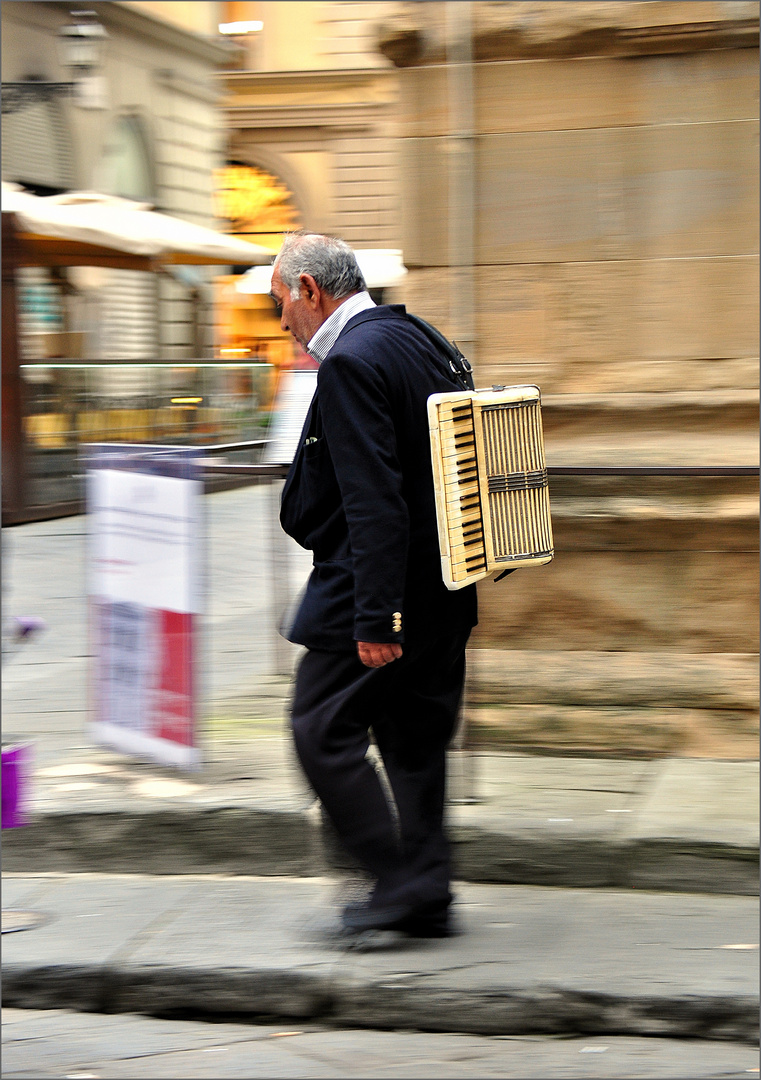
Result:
<point x="359" y="429"/>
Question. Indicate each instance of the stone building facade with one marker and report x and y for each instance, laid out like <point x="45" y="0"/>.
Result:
<point x="580" y="208"/>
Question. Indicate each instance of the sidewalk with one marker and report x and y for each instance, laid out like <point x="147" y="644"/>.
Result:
<point x="673" y="824"/>
<point x="531" y="960"/>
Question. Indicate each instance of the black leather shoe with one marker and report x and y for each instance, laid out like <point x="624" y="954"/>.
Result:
<point x="360" y="917"/>
<point x="429" y="921"/>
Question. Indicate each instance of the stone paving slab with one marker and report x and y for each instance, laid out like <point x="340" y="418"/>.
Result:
<point x="41" y="1044"/>
<point x="530" y="960"/>
<point x="38" y="1044"/>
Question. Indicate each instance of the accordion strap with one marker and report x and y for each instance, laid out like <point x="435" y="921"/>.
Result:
<point x="458" y="365"/>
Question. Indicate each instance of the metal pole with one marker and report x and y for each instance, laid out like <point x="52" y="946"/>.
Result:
<point x="462" y="291"/>
<point x="462" y="185"/>
<point x="14" y="450"/>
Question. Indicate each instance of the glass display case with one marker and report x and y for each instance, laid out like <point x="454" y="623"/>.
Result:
<point x="182" y="404"/>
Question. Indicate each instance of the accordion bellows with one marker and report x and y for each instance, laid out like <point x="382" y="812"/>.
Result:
<point x="490" y="481"/>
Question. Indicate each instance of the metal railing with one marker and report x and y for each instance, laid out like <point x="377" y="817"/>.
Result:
<point x="653" y="470"/>
<point x="243" y="469"/>
<point x="237" y="472"/>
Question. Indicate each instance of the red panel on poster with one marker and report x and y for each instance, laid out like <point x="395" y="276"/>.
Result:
<point x="174" y="693"/>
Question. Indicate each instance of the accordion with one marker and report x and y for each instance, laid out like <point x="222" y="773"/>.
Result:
<point x="490" y="482"/>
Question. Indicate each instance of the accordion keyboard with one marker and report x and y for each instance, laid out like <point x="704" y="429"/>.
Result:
<point x="461" y="489"/>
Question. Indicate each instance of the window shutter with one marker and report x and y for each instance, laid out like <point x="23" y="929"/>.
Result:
<point x="36" y="147"/>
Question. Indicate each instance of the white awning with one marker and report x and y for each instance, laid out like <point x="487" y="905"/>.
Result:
<point x="382" y="268"/>
<point x="116" y="224"/>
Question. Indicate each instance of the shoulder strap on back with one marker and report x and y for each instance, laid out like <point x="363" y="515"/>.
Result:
<point x="458" y="365"/>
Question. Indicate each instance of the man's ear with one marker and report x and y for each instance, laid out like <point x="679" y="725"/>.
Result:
<point x="310" y="290"/>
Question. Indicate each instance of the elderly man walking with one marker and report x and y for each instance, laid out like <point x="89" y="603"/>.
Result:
<point x="385" y="639"/>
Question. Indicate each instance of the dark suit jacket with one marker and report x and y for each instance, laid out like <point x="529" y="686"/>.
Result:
<point x="359" y="493"/>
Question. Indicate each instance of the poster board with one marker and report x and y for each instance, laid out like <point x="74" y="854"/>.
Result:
<point x="144" y="574"/>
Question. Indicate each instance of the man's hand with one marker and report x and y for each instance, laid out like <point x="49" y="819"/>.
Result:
<point x="378" y="654"/>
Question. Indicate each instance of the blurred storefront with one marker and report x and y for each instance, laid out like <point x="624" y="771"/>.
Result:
<point x="115" y="350"/>
<point x="52" y="407"/>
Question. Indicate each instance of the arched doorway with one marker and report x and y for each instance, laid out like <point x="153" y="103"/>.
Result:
<point x="126" y="166"/>
<point x="256" y="204"/>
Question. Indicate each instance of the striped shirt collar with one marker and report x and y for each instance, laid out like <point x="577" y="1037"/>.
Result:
<point x="326" y="337"/>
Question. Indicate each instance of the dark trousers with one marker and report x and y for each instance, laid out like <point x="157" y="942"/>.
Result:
<point x="411" y="706"/>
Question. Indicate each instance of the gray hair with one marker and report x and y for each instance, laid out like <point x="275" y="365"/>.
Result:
<point x="330" y="261"/>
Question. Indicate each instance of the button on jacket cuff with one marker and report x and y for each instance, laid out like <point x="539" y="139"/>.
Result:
<point x="386" y="630"/>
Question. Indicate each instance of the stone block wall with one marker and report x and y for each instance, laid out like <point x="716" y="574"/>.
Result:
<point x="614" y="150"/>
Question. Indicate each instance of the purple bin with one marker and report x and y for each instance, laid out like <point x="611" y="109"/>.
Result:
<point x="16" y="770"/>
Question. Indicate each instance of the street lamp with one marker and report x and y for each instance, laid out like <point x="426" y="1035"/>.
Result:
<point x="79" y="46"/>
